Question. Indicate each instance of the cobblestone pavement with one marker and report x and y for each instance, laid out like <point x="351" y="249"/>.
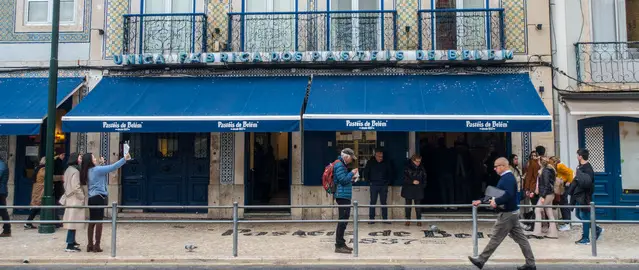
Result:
<point x="309" y="242"/>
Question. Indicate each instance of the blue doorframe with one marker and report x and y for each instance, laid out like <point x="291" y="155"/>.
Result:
<point x="608" y="185"/>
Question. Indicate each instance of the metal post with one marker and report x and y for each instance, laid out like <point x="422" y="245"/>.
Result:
<point x="114" y="228"/>
<point x="593" y="229"/>
<point x="355" y="229"/>
<point x="475" y="234"/>
<point x="48" y="199"/>
<point x="235" y="230"/>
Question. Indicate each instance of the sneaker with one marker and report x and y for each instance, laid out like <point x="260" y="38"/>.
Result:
<point x="371" y="223"/>
<point x="29" y="227"/>
<point x="583" y="242"/>
<point x="527" y="267"/>
<point x="476" y="262"/>
<point x="72" y="249"/>
<point x="599" y="233"/>
<point x="565" y="227"/>
<point x="344" y="250"/>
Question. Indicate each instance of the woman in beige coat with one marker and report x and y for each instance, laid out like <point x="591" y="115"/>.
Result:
<point x="36" y="193"/>
<point x="73" y="196"/>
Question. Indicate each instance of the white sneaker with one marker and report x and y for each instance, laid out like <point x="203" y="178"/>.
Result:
<point x="565" y="227"/>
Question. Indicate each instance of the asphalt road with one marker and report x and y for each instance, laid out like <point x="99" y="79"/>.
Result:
<point x="327" y="267"/>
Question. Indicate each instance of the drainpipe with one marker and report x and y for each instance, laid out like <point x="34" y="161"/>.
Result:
<point x="555" y="107"/>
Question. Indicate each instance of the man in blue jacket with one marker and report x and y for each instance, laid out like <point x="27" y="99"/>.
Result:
<point x="508" y="220"/>
<point x="344" y="182"/>
<point x="4" y="192"/>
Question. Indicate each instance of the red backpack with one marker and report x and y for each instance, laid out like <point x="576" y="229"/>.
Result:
<point x="327" y="178"/>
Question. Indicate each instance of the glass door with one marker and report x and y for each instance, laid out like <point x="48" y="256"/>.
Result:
<point x="168" y="34"/>
<point x="355" y="31"/>
<point x="270" y="32"/>
<point x="460" y="30"/>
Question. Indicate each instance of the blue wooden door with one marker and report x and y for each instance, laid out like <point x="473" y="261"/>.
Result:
<point x="319" y="151"/>
<point x="24" y="171"/>
<point x="198" y="164"/>
<point x="395" y="145"/>
<point x="598" y="136"/>
<point x="134" y="172"/>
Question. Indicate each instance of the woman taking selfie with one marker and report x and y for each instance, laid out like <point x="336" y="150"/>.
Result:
<point x="97" y="179"/>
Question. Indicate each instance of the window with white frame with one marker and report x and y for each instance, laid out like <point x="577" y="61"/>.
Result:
<point x="461" y="29"/>
<point x="270" y="32"/>
<point x="170" y="33"/>
<point x="357" y="30"/>
<point x="41" y="11"/>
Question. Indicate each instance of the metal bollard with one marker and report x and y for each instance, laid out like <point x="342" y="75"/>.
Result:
<point x="355" y="229"/>
<point x="475" y="234"/>
<point x="114" y="228"/>
<point x="235" y="229"/>
<point x="593" y="229"/>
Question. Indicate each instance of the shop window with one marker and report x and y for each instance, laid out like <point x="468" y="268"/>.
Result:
<point x="201" y="146"/>
<point x="41" y="11"/>
<point x="167" y="145"/>
<point x="362" y="142"/>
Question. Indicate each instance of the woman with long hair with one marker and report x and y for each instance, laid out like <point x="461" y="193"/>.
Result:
<point x="96" y="177"/>
<point x="73" y="196"/>
<point x="37" y="191"/>
<point x="546" y="197"/>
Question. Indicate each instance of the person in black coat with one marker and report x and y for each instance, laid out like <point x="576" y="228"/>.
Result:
<point x="414" y="184"/>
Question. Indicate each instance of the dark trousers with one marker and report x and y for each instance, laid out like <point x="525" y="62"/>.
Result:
<point x="382" y="192"/>
<point x="34" y="212"/>
<point x="584" y="214"/>
<point x="344" y="214"/>
<point x="565" y="212"/>
<point x="508" y="224"/>
<point x="70" y="237"/>
<point x="408" y="210"/>
<point x="5" y="214"/>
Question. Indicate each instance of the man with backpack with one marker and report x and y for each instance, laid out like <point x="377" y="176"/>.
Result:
<point x="581" y="190"/>
<point x="339" y="182"/>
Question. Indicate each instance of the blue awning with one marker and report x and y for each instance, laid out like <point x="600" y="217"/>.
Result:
<point x="444" y="103"/>
<point x="23" y="102"/>
<point x="203" y="104"/>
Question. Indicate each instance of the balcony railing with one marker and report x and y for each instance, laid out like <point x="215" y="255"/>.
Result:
<point x="312" y="31"/>
<point x="461" y="29"/>
<point x="608" y="62"/>
<point x="165" y="33"/>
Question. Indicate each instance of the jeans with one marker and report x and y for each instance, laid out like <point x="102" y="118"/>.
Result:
<point x="344" y="214"/>
<point x="70" y="237"/>
<point x="408" y="210"/>
<point x="5" y="214"/>
<point x="382" y="192"/>
<point x="565" y="212"/>
<point x="584" y="214"/>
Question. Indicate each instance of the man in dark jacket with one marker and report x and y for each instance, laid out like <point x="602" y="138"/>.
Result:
<point x="508" y="220"/>
<point x="4" y="192"/>
<point x="379" y="174"/>
<point x="582" y="189"/>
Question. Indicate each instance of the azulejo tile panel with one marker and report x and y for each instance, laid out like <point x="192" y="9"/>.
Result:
<point x="227" y="158"/>
<point x="526" y="145"/>
<point x="9" y="35"/>
<point x="407" y="17"/>
<point x="4" y="148"/>
<point x="43" y="73"/>
<point x="515" y="25"/>
<point x="216" y="12"/>
<point x="114" y="24"/>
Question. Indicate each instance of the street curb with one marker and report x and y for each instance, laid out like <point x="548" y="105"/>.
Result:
<point x="295" y="261"/>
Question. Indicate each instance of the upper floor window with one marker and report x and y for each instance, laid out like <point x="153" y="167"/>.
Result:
<point x="168" y="6"/>
<point x="41" y="11"/>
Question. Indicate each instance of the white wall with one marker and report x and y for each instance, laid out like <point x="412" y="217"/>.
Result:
<point x="21" y="53"/>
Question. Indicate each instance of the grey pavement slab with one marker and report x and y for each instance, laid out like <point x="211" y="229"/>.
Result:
<point x="328" y="267"/>
<point x="308" y="243"/>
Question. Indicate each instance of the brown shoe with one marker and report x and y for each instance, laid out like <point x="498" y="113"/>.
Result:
<point x="407" y="223"/>
<point x="344" y="250"/>
<point x="419" y="224"/>
<point x="97" y="249"/>
<point x="349" y="248"/>
<point x="89" y="248"/>
<point x="5" y="234"/>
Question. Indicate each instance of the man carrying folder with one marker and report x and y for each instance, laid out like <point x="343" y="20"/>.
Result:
<point x="508" y="219"/>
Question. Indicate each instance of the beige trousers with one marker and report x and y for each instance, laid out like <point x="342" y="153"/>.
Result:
<point x="550" y="214"/>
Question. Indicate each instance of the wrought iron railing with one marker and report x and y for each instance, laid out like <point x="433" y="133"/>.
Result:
<point x="461" y="29"/>
<point x="165" y="33"/>
<point x="608" y="62"/>
<point x="312" y="31"/>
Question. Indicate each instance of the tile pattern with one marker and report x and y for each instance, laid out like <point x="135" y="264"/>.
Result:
<point x="4" y="148"/>
<point x="526" y="145"/>
<point x="9" y="35"/>
<point x="311" y="5"/>
<point x="227" y="158"/>
<point x="594" y="142"/>
<point x="104" y="146"/>
<point x="114" y="26"/>
<point x="43" y="73"/>
<point x="217" y="18"/>
<point x="406" y="17"/>
<point x="515" y="25"/>
<point x="81" y="144"/>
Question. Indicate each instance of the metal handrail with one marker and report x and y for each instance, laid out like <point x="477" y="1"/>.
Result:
<point x="235" y="221"/>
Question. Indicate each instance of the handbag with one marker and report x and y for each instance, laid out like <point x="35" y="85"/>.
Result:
<point x="63" y="199"/>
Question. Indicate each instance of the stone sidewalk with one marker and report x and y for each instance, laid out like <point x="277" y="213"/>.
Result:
<point x="308" y="243"/>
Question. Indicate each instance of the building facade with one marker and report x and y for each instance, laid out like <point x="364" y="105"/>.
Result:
<point x="596" y="94"/>
<point x="247" y="101"/>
